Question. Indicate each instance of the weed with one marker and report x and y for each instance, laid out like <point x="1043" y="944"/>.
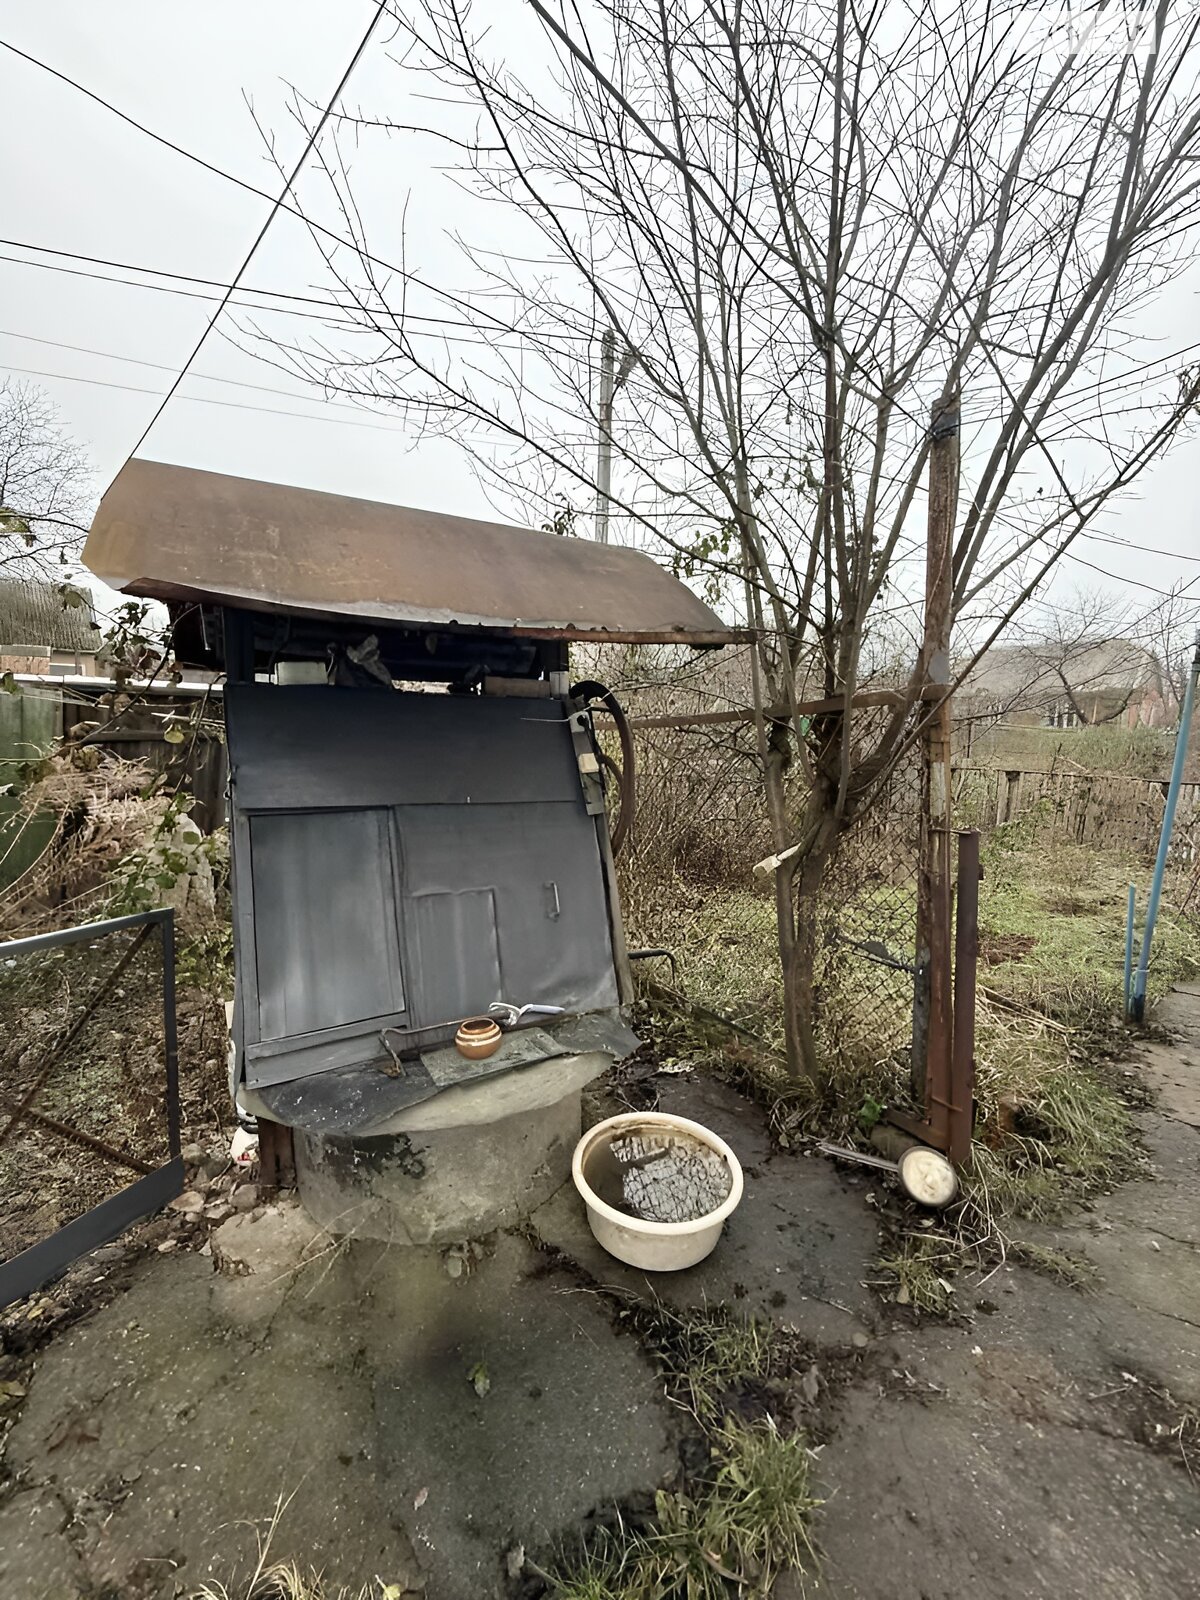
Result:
<point x="1074" y="1271"/>
<point x="746" y="1524"/>
<point x="746" y="1516"/>
<point x="915" y="1273"/>
<point x="705" y="1355"/>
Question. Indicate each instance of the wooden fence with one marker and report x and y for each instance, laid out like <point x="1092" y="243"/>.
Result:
<point x="1102" y="809"/>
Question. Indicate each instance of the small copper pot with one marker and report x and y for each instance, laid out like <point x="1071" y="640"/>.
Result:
<point x="477" y="1038"/>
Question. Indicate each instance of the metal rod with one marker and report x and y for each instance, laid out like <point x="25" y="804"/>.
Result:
<point x="1138" y="1004"/>
<point x="966" y="962"/>
<point x="78" y="1136"/>
<point x="170" y="1032"/>
<point x="61" y="1045"/>
<point x="831" y="706"/>
<point x="1129" y="916"/>
<point x="85" y="931"/>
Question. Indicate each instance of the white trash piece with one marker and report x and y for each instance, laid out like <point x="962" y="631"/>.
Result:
<point x="243" y="1147"/>
<point x="674" y="1183"/>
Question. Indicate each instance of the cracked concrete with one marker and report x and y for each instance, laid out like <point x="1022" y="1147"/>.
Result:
<point x="417" y="1426"/>
<point x="1032" y="1454"/>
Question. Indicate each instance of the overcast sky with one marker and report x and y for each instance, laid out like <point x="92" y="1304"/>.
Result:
<point x="76" y="179"/>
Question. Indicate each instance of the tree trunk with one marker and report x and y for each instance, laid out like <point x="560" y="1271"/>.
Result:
<point x="800" y="992"/>
<point x="797" y="921"/>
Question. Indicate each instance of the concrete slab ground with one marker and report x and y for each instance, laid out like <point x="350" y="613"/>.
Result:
<point x="423" y="1416"/>
<point x="1039" y="1452"/>
<point x="796" y="1249"/>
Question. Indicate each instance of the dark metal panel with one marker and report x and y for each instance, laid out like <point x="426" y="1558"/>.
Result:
<point x="171" y="532"/>
<point x="51" y="1257"/>
<point x="326" y="947"/>
<point x="326" y="1051"/>
<point x="542" y="867"/>
<point x="300" y="747"/>
<point x="364" y="1098"/>
<point x="455" y="939"/>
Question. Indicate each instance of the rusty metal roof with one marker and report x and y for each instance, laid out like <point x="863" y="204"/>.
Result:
<point x="175" y="533"/>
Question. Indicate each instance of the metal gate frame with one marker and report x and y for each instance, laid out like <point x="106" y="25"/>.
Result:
<point x="50" y="1257"/>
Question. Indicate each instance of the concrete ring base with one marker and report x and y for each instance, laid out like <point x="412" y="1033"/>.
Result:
<point x="436" y="1186"/>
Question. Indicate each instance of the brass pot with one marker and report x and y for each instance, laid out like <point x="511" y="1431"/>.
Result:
<point x="477" y="1038"/>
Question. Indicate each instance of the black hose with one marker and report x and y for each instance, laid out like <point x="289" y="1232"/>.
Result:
<point x="586" y="692"/>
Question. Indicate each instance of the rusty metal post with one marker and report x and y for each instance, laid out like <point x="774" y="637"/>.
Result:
<point x="932" y="1022"/>
<point x="966" y="961"/>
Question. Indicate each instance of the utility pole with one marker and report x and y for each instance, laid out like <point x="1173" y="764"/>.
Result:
<point x="932" y="1005"/>
<point x="608" y="363"/>
<point x="611" y="379"/>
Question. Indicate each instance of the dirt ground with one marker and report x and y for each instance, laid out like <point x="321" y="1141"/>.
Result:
<point x="1043" y="1445"/>
<point x="108" y="1082"/>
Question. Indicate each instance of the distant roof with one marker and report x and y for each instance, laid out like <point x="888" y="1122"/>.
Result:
<point x="1034" y="670"/>
<point x="175" y="533"/>
<point x="36" y="611"/>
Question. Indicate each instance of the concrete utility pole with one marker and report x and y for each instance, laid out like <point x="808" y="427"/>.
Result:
<point x="611" y="379"/>
<point x="932" y="999"/>
<point x="608" y="363"/>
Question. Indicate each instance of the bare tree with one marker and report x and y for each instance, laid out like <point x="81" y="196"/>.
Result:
<point x="45" y="486"/>
<point x="808" y="226"/>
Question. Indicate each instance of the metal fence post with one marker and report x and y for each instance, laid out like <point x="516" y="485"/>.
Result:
<point x="1137" y="1005"/>
<point x="966" y="962"/>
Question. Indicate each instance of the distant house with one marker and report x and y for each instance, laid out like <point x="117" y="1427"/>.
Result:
<point x="47" y="627"/>
<point x="1116" y="682"/>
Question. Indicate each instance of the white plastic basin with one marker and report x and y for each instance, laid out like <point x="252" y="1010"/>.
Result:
<point x="655" y="1246"/>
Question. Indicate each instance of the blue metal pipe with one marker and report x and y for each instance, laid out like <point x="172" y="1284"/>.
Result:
<point x="1137" y="1008"/>
<point x="1129" y="915"/>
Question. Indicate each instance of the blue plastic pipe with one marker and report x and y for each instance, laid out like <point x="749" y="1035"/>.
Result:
<point x="1137" y="1007"/>
<point x="1129" y="915"/>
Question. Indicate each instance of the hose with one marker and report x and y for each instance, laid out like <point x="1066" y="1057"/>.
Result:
<point x="586" y="692"/>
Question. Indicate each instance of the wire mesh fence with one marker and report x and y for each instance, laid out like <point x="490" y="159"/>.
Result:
<point x="88" y="1090"/>
<point x="867" y="929"/>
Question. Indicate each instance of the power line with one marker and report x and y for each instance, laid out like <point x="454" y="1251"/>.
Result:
<point x="279" y="203"/>
<point x="1138" y="583"/>
<point x="216" y="283"/>
<point x="1140" y="549"/>
<point x="211" y="400"/>
<point x="270" y="217"/>
<point x="164" y="288"/>
<point x="161" y="366"/>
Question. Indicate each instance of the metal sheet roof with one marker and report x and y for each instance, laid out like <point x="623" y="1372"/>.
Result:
<point x="175" y="533"/>
<point x="36" y="611"/>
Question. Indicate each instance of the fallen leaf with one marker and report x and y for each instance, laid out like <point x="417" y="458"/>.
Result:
<point x="420" y="1498"/>
<point x="478" y="1378"/>
<point x="11" y="1390"/>
<point x="71" y="1430"/>
<point x="514" y="1561"/>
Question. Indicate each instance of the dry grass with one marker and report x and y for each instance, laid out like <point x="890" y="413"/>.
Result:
<point x="267" y="1579"/>
<point x="736" y="1533"/>
<point x="1053" y="1121"/>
